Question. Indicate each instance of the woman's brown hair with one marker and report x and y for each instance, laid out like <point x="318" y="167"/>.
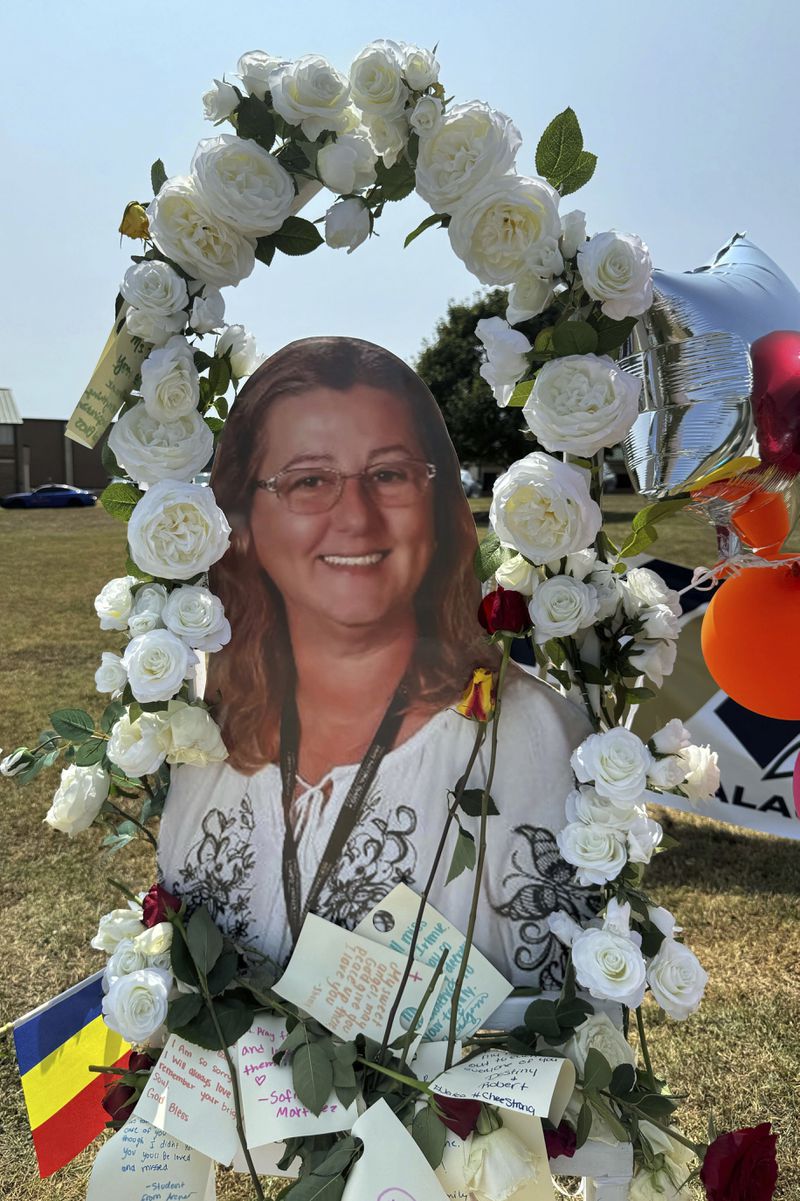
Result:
<point x="248" y="677"/>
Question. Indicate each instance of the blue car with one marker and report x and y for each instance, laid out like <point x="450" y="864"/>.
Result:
<point x="49" y="496"/>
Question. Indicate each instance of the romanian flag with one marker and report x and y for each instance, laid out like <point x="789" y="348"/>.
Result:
<point x="55" y="1045"/>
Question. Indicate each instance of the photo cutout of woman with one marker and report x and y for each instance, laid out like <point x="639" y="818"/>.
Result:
<point x="353" y="604"/>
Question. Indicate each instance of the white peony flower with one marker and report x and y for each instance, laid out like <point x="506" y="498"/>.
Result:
<point x="151" y="450"/>
<point x="666" y="773"/>
<point x="616" y="762"/>
<point x="585" y="804"/>
<point x="507" y="226"/>
<point x="243" y="185"/>
<point x="125" y="958"/>
<point x="136" y="1005"/>
<point x="672" y="737"/>
<point x="244" y="356"/>
<point x="78" y="798"/>
<point x="189" y="734"/>
<point x="542" y="508"/>
<point x="155" y="940"/>
<point x="677" y="979"/>
<point x="701" y="768"/>
<point x="598" y="852"/>
<point x="197" y="616"/>
<point x="157" y="664"/>
<point x="654" y="660"/>
<point x="643" y="588"/>
<point x="610" y="966"/>
<point x="309" y="93"/>
<point x="617" y="270"/>
<point x="389" y="136"/>
<point x="473" y="143"/>
<point x="134" y="746"/>
<point x="376" y="81"/>
<point x="141" y="323"/>
<point x="529" y="296"/>
<point x="348" y="164"/>
<point x="643" y="835"/>
<point x="506" y="361"/>
<point x="176" y="531"/>
<point x="185" y="230"/>
<point x="581" y="403"/>
<point x="114" y="602"/>
<point x="564" y="927"/>
<point x="517" y="575"/>
<point x="170" y="383"/>
<point x="573" y="233"/>
<point x="117" y="925"/>
<point x="599" y="1033"/>
<point x="154" y="287"/>
<point x="220" y="101"/>
<point x="658" y="622"/>
<point x="110" y="675"/>
<point x="254" y="70"/>
<point x="208" y="311"/>
<point x="498" y="1165"/>
<point x="347" y="224"/>
<point x="420" y="68"/>
<point x="560" y="607"/>
<point x="426" y="115"/>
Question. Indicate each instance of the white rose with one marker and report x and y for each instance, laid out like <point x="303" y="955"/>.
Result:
<point x="529" y="296"/>
<point x="189" y="734"/>
<point x="243" y="185"/>
<point x="15" y="763"/>
<point x="658" y="622"/>
<point x="244" y="356"/>
<point x="220" y="101"/>
<point x="157" y="663"/>
<point x="309" y="93"/>
<point x="348" y="164"/>
<point x="134" y="746"/>
<point x="198" y="617"/>
<point x="170" y="383"/>
<point x="643" y="588"/>
<point x="666" y="773"/>
<point x="609" y="966"/>
<point x="663" y="920"/>
<point x="376" y="82"/>
<point x="655" y="660"/>
<point x="347" y="224"/>
<point x="617" y="269"/>
<point x="126" y="958"/>
<point x="498" y="1165"/>
<point x="701" y="768"/>
<point x="155" y="287"/>
<point x="672" y="737"/>
<point x="420" y="67"/>
<point x="517" y="575"/>
<point x="208" y="311"/>
<point x="564" y="927"/>
<point x="114" y="602"/>
<point x="507" y="226"/>
<point x="580" y="565"/>
<point x="426" y="115"/>
<point x="506" y="361"/>
<point x="153" y="329"/>
<point x="389" y="136"/>
<point x="560" y="607"/>
<point x="598" y="852"/>
<point x="616" y="762"/>
<point x="111" y="675"/>
<point x="151" y="450"/>
<point x="677" y="979"/>
<point x="662" y="1185"/>
<point x="581" y="403"/>
<point x="136" y="1005"/>
<point x="148" y="602"/>
<point x="176" y="531"/>
<point x="585" y="804"/>
<point x="117" y="925"/>
<point x="472" y="143"/>
<point x="643" y="835"/>
<point x="606" y="584"/>
<point x="155" y="940"/>
<point x="185" y="230"/>
<point x="573" y="233"/>
<point x="254" y="70"/>
<point x="599" y="1033"/>
<point x="78" y="798"/>
<point x="542" y="508"/>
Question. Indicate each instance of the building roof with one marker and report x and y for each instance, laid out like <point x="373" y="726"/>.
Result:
<point x="9" y="413"/>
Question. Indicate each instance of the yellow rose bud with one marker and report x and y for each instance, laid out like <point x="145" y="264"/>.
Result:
<point x="134" y="222"/>
<point x="477" y="703"/>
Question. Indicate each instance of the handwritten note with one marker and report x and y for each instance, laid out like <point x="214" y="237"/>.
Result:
<point x="189" y="1095"/>
<point x="391" y="923"/>
<point x="142" y="1163"/>
<point x="538" y="1086"/>
<point x="392" y="1167"/>
<point x="348" y="983"/>
<point x="110" y="385"/>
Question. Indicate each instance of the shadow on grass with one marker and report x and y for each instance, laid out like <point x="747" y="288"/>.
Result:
<point x="712" y="856"/>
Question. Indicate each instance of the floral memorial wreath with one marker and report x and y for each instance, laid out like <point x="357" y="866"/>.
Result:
<point x="600" y="630"/>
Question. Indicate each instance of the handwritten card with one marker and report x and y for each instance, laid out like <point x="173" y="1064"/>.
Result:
<point x="391" y="923"/>
<point x="348" y="983"/>
<point x="272" y="1109"/>
<point x="142" y="1163"/>
<point x="265" y="1161"/>
<point x="189" y="1095"/>
<point x="392" y="1167"/>
<point x="538" y="1086"/>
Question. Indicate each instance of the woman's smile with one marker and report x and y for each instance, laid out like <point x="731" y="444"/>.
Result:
<point x="359" y="562"/>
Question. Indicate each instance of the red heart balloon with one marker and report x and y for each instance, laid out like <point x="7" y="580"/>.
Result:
<point x="776" y="398"/>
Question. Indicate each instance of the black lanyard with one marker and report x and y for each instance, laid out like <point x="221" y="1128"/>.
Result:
<point x="349" y="814"/>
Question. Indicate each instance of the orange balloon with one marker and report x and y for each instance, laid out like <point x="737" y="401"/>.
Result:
<point x="751" y="640"/>
<point x="761" y="521"/>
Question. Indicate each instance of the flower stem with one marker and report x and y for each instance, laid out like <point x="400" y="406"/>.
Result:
<point x="645" y="1050"/>
<point x="419" y="1085"/>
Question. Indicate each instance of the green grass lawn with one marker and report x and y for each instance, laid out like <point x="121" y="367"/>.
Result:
<point x="737" y="894"/>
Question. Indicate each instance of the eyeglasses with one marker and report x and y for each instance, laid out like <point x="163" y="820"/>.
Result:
<point x="309" y="490"/>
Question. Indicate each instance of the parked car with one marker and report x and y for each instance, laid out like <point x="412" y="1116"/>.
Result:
<point x="470" y="484"/>
<point x="49" y="496"/>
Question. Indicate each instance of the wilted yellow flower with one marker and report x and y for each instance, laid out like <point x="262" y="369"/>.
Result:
<point x="477" y="703"/>
<point x="134" y="222"/>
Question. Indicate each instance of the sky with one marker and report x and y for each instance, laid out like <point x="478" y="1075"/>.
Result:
<point x="689" y="105"/>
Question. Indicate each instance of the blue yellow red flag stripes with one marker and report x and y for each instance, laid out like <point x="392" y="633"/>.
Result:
<point x="55" y="1045"/>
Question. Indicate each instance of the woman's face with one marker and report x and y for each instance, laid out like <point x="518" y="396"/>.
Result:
<point x="361" y="562"/>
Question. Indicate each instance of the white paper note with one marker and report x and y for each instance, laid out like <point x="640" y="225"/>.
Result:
<point x="533" y="1085"/>
<point x="348" y="983"/>
<point x="265" y="1161"/>
<point x="189" y="1095"/>
<point x="391" y="923"/>
<point x="142" y="1163"/>
<point x="392" y="1167"/>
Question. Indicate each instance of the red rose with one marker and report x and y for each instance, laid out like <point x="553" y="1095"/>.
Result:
<point x="157" y="904"/>
<point x="741" y="1165"/>
<point x="459" y="1116"/>
<point x="140" y="1061"/>
<point x="560" y="1141"/>
<point x="119" y="1101"/>
<point x="504" y="611"/>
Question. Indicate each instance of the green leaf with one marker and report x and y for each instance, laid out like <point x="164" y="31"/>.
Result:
<point x="90" y="752"/>
<point x="643" y="532"/>
<point x="638" y="694"/>
<point x="111" y="715"/>
<point x="183" y="1010"/>
<point x="555" y="650"/>
<point x="224" y="970"/>
<point x="339" y="1158"/>
<point x="181" y="961"/>
<point x="574" y="337"/>
<point x="560" y="148"/>
<point x="109" y="461"/>
<point x="297" y="236"/>
<point x="255" y="121"/>
<point x="489" y="556"/>
<point x="204" y="940"/>
<point x="541" y="1018"/>
<point x="471" y="802"/>
<point x="316" y="1188"/>
<point x="158" y="176"/>
<point x="73" y="724"/>
<point x="265" y="249"/>
<point x="623" y="1079"/>
<point x="464" y="855"/>
<point x="442" y="219"/>
<point x="596" y="1071"/>
<point x="611" y="334"/>
<point x="430" y="1135"/>
<point x="215" y="424"/>
<point x="657" y="1106"/>
<point x="592" y="674"/>
<point x="572" y="1013"/>
<point x="202" y="361"/>
<point x="119" y="500"/>
<point x="396" y="182"/>
<point x="584" y="1126"/>
<point x="580" y="174"/>
<point x="219" y="375"/>
<point x="520" y="394"/>
<point x="234" y="1017"/>
<point x="132" y="569"/>
<point x="312" y="1075"/>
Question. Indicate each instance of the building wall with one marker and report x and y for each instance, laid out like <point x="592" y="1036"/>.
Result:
<point x="42" y="455"/>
